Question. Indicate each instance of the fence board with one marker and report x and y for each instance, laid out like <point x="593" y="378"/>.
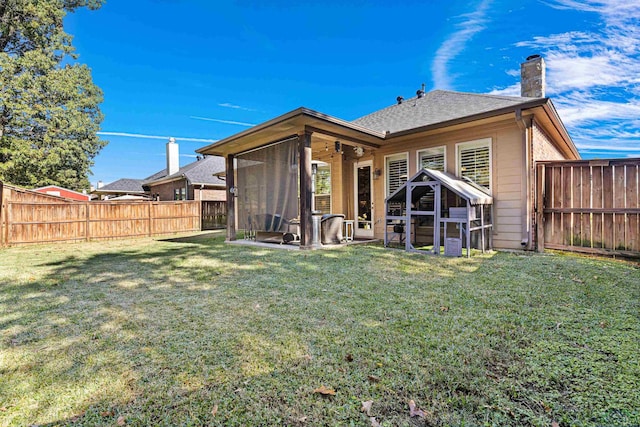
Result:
<point x="29" y="217"/>
<point x="585" y="223"/>
<point x="2" y="209"/>
<point x="214" y="215"/>
<point x="556" y="202"/>
<point x="592" y="206"/>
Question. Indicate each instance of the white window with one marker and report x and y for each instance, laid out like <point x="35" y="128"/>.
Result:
<point x="323" y="188"/>
<point x="474" y="161"/>
<point x="180" y="194"/>
<point x="396" y="171"/>
<point x="432" y="158"/>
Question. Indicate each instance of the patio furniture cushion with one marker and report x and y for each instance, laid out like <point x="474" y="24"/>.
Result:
<point x="331" y="229"/>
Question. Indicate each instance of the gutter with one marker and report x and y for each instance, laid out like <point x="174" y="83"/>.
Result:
<point x="525" y="127"/>
<point x="165" y="180"/>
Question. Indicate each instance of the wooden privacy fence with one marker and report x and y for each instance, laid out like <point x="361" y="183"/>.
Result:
<point x="589" y="206"/>
<point x="214" y="214"/>
<point x="29" y="217"/>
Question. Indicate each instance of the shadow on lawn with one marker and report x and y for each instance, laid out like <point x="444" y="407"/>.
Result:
<point x="161" y="332"/>
<point x="97" y="330"/>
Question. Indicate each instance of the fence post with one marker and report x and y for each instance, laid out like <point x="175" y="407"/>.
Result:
<point x="540" y="193"/>
<point x="149" y="207"/>
<point x="2" y="225"/>
<point x="7" y="223"/>
<point x="88" y="222"/>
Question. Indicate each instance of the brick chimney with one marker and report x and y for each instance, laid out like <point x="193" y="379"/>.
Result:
<point x="173" y="157"/>
<point x="533" y="77"/>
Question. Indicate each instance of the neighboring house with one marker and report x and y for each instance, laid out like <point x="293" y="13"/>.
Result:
<point x="119" y="188"/>
<point x="199" y="180"/>
<point x="492" y="140"/>
<point x="54" y="190"/>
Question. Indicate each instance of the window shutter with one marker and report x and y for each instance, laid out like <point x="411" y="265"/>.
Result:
<point x="433" y="159"/>
<point x="396" y="173"/>
<point x="475" y="164"/>
<point x="323" y="189"/>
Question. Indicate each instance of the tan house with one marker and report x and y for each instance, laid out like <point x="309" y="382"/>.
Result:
<point x="199" y="180"/>
<point x="279" y="171"/>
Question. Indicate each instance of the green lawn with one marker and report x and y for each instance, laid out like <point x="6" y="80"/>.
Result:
<point x="197" y="332"/>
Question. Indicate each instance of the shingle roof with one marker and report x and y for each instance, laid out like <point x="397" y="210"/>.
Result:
<point x="435" y="107"/>
<point x="199" y="172"/>
<point x="156" y="175"/>
<point x="123" y="185"/>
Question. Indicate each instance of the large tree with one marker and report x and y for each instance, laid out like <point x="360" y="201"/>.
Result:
<point x="49" y="113"/>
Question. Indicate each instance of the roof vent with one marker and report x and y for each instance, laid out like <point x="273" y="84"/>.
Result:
<point x="420" y="92"/>
<point x="399" y="99"/>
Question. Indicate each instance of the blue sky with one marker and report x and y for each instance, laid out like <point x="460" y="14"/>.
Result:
<point x="203" y="70"/>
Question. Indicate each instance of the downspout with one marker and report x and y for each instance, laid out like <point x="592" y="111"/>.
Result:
<point x="525" y="126"/>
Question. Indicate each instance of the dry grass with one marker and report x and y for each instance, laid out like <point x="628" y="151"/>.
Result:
<point x="162" y="332"/>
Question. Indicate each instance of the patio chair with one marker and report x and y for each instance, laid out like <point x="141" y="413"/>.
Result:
<point x="331" y="229"/>
<point x="269" y="223"/>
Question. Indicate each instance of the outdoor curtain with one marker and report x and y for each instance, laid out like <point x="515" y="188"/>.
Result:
<point x="267" y="187"/>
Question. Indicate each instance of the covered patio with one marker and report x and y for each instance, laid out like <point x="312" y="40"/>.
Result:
<point x="303" y="178"/>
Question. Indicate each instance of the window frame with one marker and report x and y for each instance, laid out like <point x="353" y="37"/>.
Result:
<point x="476" y="143"/>
<point x="387" y="158"/>
<point x="419" y="155"/>
<point x="327" y="165"/>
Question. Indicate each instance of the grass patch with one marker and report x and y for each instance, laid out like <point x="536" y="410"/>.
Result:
<point x="161" y="332"/>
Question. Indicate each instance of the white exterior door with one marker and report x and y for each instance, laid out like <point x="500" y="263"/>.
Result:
<point x="363" y="191"/>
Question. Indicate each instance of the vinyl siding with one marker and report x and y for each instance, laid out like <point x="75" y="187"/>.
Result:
<point x="507" y="174"/>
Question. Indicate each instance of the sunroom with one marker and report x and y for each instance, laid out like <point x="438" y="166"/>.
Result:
<point x="303" y="178"/>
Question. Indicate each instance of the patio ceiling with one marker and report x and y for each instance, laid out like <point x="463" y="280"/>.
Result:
<point x="324" y="129"/>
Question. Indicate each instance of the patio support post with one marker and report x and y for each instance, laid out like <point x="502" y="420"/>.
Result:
<point x="231" y="199"/>
<point x="304" y="155"/>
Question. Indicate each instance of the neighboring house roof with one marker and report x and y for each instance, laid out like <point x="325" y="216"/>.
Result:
<point x="155" y="176"/>
<point x="56" y="190"/>
<point x="436" y="107"/>
<point x="123" y="185"/>
<point x="130" y="197"/>
<point x="205" y="171"/>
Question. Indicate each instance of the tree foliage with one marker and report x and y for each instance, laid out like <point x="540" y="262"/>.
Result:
<point x="49" y="112"/>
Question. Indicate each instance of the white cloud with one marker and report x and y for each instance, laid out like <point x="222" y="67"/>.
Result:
<point x="143" y="136"/>
<point x="472" y="23"/>
<point x="614" y="10"/>
<point x="592" y="75"/>
<point x="228" y="122"/>
<point x="513" y="90"/>
<point x="609" y="148"/>
<point x="235" y="107"/>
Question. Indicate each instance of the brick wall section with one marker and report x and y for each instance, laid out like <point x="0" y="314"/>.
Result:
<point x="543" y="148"/>
<point x="166" y="191"/>
<point x="210" y="195"/>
